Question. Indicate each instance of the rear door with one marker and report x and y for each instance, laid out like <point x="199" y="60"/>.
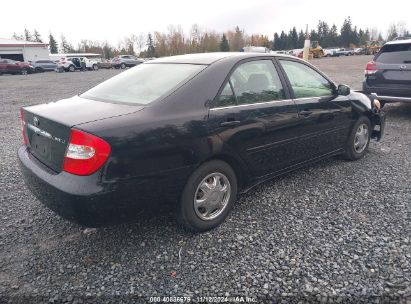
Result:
<point x="255" y="118"/>
<point x="393" y="67"/>
<point x="324" y="117"/>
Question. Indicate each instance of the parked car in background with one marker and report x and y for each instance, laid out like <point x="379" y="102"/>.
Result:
<point x="359" y="51"/>
<point x="124" y="61"/>
<point x="43" y="65"/>
<point x="8" y="66"/>
<point x="74" y="63"/>
<point x="192" y="131"/>
<point x="105" y="64"/>
<point x="331" y="52"/>
<point x="346" y="52"/>
<point x="388" y="75"/>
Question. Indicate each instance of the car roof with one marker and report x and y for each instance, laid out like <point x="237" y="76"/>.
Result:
<point x="404" y="41"/>
<point x="210" y="58"/>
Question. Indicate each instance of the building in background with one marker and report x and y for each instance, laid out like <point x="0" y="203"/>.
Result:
<point x="21" y="50"/>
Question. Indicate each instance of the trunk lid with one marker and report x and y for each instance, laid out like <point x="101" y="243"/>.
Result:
<point x="47" y="126"/>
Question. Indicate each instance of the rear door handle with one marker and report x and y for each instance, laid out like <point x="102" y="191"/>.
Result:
<point x="230" y="123"/>
<point x="305" y="113"/>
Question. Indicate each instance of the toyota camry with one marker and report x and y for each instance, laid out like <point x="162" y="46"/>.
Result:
<point x="192" y="131"/>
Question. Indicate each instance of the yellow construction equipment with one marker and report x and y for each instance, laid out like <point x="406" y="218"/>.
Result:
<point x="316" y="50"/>
<point x="372" y="47"/>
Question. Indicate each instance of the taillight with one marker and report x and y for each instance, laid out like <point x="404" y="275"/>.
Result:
<point x="85" y="153"/>
<point x="22" y="126"/>
<point x="371" y="68"/>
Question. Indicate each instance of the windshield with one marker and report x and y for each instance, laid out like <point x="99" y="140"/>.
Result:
<point x="144" y="83"/>
<point x="395" y="53"/>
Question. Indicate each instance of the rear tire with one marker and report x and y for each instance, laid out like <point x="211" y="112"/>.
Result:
<point x="71" y="68"/>
<point x="123" y="66"/>
<point x="95" y="67"/>
<point x="201" y="210"/>
<point x="359" y="139"/>
<point x="23" y="72"/>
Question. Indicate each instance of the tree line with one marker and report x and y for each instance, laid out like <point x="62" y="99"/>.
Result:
<point x="329" y="36"/>
<point x="175" y="42"/>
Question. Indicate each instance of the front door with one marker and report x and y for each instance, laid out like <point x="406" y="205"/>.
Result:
<point x="255" y="118"/>
<point x="324" y="116"/>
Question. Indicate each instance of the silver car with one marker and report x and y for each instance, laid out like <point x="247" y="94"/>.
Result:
<point x="43" y="65"/>
<point x="124" y="61"/>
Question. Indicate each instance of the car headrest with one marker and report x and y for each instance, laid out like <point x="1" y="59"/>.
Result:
<point x="257" y="82"/>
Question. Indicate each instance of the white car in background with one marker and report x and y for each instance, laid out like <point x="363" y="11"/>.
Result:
<point x="74" y="63"/>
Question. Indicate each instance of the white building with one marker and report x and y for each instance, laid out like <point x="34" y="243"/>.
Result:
<point x="21" y="50"/>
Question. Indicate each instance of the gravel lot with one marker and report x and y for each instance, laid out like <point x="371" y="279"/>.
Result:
<point x="336" y="231"/>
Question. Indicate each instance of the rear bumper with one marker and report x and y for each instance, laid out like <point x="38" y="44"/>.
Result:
<point x="87" y="200"/>
<point x="388" y="94"/>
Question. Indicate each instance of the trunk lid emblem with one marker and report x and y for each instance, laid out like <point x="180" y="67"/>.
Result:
<point x="36" y="121"/>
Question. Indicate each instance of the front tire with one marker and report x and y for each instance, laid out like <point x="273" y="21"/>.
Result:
<point x="359" y="139"/>
<point x="208" y="196"/>
<point x="95" y="67"/>
<point x="23" y="72"/>
<point x="71" y="68"/>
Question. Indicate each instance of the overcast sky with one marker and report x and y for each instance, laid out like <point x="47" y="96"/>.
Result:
<point x="112" y="21"/>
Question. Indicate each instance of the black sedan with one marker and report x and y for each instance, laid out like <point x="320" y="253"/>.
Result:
<point x="192" y="130"/>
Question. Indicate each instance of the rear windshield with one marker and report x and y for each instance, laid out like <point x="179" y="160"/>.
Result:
<point x="395" y="53"/>
<point x="144" y="83"/>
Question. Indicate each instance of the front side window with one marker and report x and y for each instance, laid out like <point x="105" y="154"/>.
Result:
<point x="305" y="81"/>
<point x="144" y="83"/>
<point x="256" y="81"/>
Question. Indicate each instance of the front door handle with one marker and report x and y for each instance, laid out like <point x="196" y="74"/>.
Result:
<point x="305" y="113"/>
<point x="230" y="123"/>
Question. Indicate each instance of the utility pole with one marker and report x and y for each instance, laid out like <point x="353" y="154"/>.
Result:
<point x="306" y="49"/>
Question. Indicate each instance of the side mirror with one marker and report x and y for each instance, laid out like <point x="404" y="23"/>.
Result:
<point x="343" y="90"/>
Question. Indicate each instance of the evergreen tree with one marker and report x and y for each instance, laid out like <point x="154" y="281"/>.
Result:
<point x="37" y="36"/>
<point x="283" y="43"/>
<point x="346" y="32"/>
<point x="323" y="32"/>
<point x="355" y="37"/>
<point x="65" y="46"/>
<point x="276" y="42"/>
<point x="301" y="39"/>
<point x="224" y="46"/>
<point x="17" y="37"/>
<point x="333" y="39"/>
<point x="314" y="36"/>
<point x="27" y="35"/>
<point x="151" y="50"/>
<point x="53" y="46"/>
<point x="293" y="39"/>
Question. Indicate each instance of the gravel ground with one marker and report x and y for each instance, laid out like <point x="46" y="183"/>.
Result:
<point x="336" y="231"/>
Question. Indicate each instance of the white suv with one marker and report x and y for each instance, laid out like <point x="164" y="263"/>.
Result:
<point x="74" y="63"/>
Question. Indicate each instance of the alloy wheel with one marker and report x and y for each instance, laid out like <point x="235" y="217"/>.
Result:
<point x="212" y="196"/>
<point x="361" y="138"/>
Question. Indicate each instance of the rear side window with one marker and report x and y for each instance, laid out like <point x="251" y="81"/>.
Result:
<point x="144" y="84"/>
<point x="227" y="97"/>
<point x="395" y="53"/>
<point x="256" y="81"/>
